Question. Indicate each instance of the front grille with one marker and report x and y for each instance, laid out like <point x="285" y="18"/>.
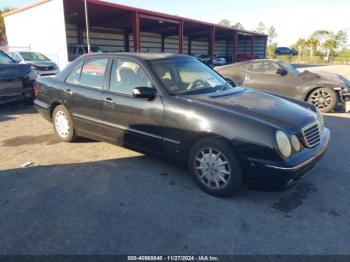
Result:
<point x="312" y="136"/>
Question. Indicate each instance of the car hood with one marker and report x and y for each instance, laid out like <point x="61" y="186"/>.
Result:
<point x="13" y="71"/>
<point x="261" y="106"/>
<point x="327" y="77"/>
<point x="42" y="63"/>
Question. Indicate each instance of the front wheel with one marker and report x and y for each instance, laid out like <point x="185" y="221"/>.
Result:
<point x="325" y="99"/>
<point x="63" y="124"/>
<point x="215" y="168"/>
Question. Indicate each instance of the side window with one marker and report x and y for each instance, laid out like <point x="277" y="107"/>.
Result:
<point x="126" y="75"/>
<point x="74" y="76"/>
<point x="92" y="74"/>
<point x="264" y="67"/>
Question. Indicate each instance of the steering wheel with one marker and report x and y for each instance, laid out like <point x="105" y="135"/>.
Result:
<point x="196" y="84"/>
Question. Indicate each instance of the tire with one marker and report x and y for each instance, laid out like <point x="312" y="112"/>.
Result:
<point x="325" y="99"/>
<point x="224" y="179"/>
<point x="63" y="124"/>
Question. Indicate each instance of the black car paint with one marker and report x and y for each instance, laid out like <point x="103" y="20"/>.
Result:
<point x="16" y="82"/>
<point x="169" y="125"/>
<point x="296" y="86"/>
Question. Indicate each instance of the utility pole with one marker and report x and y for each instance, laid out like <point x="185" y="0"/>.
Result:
<point x="87" y="25"/>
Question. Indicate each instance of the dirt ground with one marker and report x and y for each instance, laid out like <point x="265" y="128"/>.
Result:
<point x="95" y="198"/>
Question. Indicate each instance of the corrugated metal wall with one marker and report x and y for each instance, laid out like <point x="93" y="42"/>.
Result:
<point x="113" y="41"/>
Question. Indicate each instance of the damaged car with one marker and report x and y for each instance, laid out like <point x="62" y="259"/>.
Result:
<point x="324" y="90"/>
<point x="16" y="80"/>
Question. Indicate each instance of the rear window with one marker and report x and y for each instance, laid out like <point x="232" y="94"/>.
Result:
<point x="92" y="74"/>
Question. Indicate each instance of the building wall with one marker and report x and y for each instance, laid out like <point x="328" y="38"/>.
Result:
<point x="41" y="28"/>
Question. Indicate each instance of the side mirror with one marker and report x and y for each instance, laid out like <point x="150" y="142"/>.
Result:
<point x="281" y="72"/>
<point x="230" y="82"/>
<point x="144" y="92"/>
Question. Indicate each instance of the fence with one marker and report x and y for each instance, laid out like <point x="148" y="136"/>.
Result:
<point x="15" y="48"/>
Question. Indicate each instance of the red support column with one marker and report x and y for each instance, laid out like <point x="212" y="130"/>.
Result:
<point x="181" y="36"/>
<point x="126" y="42"/>
<point x="212" y="44"/>
<point x="252" y="47"/>
<point x="136" y="32"/>
<point x="235" y="47"/>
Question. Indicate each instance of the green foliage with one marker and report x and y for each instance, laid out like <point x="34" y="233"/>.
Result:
<point x="225" y="22"/>
<point x="261" y="28"/>
<point x="238" y="26"/>
<point x="271" y="49"/>
<point x="272" y="34"/>
<point x="2" y="23"/>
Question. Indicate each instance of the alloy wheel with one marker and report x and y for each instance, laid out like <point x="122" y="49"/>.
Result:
<point x="321" y="98"/>
<point x="62" y="124"/>
<point x="212" y="168"/>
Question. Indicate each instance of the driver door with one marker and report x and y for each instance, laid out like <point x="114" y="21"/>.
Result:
<point x="263" y="75"/>
<point x="129" y="121"/>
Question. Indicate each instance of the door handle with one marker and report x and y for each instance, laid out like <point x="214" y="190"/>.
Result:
<point x="68" y="91"/>
<point x="108" y="101"/>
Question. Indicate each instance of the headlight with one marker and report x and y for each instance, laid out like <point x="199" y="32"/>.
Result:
<point x="283" y="144"/>
<point x="295" y="143"/>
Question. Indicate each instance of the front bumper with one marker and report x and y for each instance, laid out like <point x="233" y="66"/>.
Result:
<point x="282" y="175"/>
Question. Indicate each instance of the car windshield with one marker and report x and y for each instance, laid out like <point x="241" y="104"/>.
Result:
<point x="291" y="69"/>
<point x="188" y="76"/>
<point x="32" y="56"/>
<point x="4" y="59"/>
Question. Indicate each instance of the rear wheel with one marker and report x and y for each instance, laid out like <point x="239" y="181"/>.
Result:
<point x="63" y="124"/>
<point x="325" y="99"/>
<point x="215" y="168"/>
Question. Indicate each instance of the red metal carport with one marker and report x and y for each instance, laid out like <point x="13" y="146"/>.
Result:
<point x="104" y="16"/>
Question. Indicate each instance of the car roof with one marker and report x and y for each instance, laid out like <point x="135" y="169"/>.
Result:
<point x="143" y="56"/>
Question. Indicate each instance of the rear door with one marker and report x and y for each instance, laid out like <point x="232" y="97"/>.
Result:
<point x="130" y="121"/>
<point x="263" y="75"/>
<point x="83" y="93"/>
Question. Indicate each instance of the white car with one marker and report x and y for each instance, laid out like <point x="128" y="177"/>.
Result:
<point x="42" y="65"/>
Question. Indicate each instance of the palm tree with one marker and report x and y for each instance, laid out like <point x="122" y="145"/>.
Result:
<point x="301" y="45"/>
<point x="329" y="45"/>
<point x="312" y="43"/>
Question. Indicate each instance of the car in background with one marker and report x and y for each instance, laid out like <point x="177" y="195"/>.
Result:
<point x="16" y="80"/>
<point x="42" y="65"/>
<point x="176" y="107"/>
<point x="75" y="51"/>
<point x="285" y="51"/>
<point x="324" y="90"/>
<point x="219" y="61"/>
<point x="203" y="58"/>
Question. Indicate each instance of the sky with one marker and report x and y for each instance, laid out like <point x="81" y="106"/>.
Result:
<point x="292" y="19"/>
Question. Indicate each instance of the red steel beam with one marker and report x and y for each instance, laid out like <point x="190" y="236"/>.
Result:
<point x="252" y="47"/>
<point x="212" y="43"/>
<point x="181" y="36"/>
<point x="235" y="47"/>
<point x="136" y="32"/>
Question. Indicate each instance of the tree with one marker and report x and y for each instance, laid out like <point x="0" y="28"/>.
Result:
<point x="225" y="22"/>
<point x="312" y="43"/>
<point x="238" y="26"/>
<point x="341" y="37"/>
<point x="329" y="45"/>
<point x="261" y="28"/>
<point x="271" y="49"/>
<point x="2" y="23"/>
<point x="272" y="34"/>
<point x="301" y="44"/>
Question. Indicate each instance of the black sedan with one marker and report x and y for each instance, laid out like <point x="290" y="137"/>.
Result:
<point x="324" y="90"/>
<point x="176" y="107"/>
<point x="16" y="80"/>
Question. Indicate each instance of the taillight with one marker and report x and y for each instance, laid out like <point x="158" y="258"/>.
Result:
<point x="36" y="88"/>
